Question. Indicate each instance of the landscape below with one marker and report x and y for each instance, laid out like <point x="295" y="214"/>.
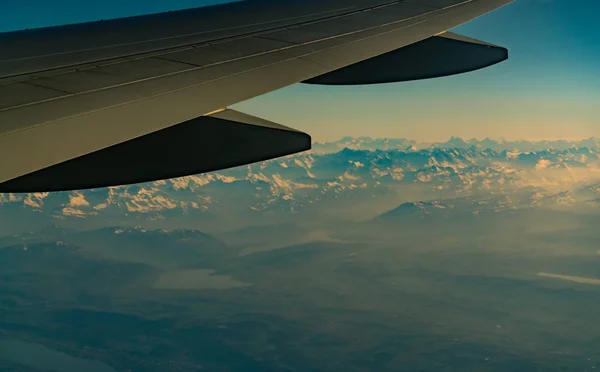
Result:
<point x="363" y="254"/>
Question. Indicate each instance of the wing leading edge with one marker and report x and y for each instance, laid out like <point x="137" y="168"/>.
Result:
<point x="69" y="110"/>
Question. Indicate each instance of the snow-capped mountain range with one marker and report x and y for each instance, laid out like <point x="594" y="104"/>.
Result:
<point x="514" y="174"/>
<point x="368" y="143"/>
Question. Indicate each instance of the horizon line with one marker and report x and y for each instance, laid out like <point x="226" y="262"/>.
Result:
<point x="500" y="140"/>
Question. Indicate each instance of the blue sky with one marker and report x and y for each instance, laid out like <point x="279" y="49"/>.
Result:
<point x="549" y="87"/>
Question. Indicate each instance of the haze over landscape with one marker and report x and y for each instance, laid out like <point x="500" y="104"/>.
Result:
<point x="376" y="254"/>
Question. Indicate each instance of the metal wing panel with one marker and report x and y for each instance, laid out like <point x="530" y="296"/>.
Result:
<point x="19" y="93"/>
<point x="91" y="79"/>
<point x="227" y="51"/>
<point x="54" y="110"/>
<point x="65" y="127"/>
<point x="137" y="70"/>
<point x="380" y="16"/>
<point x="27" y="52"/>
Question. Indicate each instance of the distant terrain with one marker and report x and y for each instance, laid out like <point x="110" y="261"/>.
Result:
<point x="362" y="255"/>
<point x="350" y="184"/>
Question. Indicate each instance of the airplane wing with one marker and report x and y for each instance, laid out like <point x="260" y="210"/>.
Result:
<point x="145" y="98"/>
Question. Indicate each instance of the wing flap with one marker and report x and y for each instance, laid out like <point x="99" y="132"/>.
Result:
<point x="208" y="143"/>
<point x="437" y="56"/>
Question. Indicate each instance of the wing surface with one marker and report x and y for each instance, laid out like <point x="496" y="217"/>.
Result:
<point x="69" y="91"/>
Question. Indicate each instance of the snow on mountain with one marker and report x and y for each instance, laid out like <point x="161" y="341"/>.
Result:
<point x="363" y="143"/>
<point x="367" y="143"/>
<point x="363" y="169"/>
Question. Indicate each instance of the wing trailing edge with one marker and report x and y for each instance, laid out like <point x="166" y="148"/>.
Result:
<point x="441" y="55"/>
<point x="220" y="140"/>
